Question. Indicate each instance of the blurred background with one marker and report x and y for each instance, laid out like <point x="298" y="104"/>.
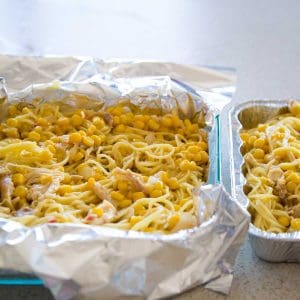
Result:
<point x="258" y="38"/>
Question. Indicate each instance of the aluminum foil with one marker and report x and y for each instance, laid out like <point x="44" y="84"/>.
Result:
<point x="282" y="247"/>
<point x="93" y="262"/>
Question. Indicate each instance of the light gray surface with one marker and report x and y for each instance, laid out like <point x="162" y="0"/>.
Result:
<point x="259" y="38"/>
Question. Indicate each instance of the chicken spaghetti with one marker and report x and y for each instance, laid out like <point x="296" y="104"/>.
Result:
<point x="120" y="166"/>
<point x="272" y="161"/>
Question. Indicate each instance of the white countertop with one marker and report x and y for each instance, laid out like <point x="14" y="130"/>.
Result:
<point x="258" y="38"/>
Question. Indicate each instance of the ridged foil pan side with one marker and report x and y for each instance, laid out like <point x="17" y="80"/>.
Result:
<point x="283" y="247"/>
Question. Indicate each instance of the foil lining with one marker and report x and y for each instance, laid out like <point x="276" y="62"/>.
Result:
<point x="92" y="262"/>
<point x="281" y="247"/>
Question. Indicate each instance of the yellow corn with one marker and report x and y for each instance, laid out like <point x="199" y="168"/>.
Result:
<point x="116" y="120"/>
<point x="51" y="148"/>
<point x="259" y="153"/>
<point x="120" y="128"/>
<point x="97" y="139"/>
<point x="259" y="143"/>
<point x="46" y="155"/>
<point x="11" y="132"/>
<point x="76" y="120"/>
<point x="64" y="189"/>
<point x="135" y="219"/>
<point x="203" y="146"/>
<point x="139" y="124"/>
<point x="98" y="122"/>
<point x="124" y="203"/>
<point x="34" y="136"/>
<point x="117" y="196"/>
<point x="91" y="182"/>
<point x="173" y="220"/>
<point x="117" y="111"/>
<point x="18" y="179"/>
<point x="166" y="121"/>
<point x="173" y="183"/>
<point x="12" y="110"/>
<point x="252" y="139"/>
<point x="176" y="207"/>
<point x="295" y="224"/>
<point x="45" y="179"/>
<point x="122" y="186"/>
<point x="138" y="195"/>
<point x="155" y="193"/>
<point x="25" y="110"/>
<point x="63" y="122"/>
<point x="91" y="130"/>
<point x="88" y="141"/>
<point x="295" y="107"/>
<point x="75" y="137"/>
<point x="78" y="156"/>
<point x="20" y="191"/>
<point x="42" y="122"/>
<point x="244" y="136"/>
<point x="284" y="221"/>
<point x="98" y="211"/>
<point x="153" y="125"/>
<point x="67" y="179"/>
<point x="12" y="122"/>
<point x="291" y="186"/>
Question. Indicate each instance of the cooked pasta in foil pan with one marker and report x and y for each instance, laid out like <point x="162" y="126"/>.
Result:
<point x="110" y="178"/>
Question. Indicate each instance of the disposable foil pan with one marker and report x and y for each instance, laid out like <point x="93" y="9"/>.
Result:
<point x="92" y="262"/>
<point x="282" y="247"/>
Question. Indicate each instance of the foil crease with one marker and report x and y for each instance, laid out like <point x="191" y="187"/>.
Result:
<point x="279" y="247"/>
<point x="92" y="262"/>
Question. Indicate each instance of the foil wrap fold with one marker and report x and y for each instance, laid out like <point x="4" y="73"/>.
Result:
<point x="92" y="262"/>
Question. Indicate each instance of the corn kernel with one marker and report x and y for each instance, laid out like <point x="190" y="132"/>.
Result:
<point x="67" y="179"/>
<point x="75" y="137"/>
<point x="138" y="195"/>
<point x="51" y="148"/>
<point x="117" y="196"/>
<point x="34" y="136"/>
<point x="173" y="220"/>
<point x="91" y="182"/>
<point x="46" y="155"/>
<point x="124" y="119"/>
<point x="155" y="193"/>
<point x="203" y="146"/>
<point x="139" y="124"/>
<point x="164" y="177"/>
<point x="173" y="183"/>
<point x="63" y="122"/>
<point x="117" y="111"/>
<point x="91" y="130"/>
<point x="259" y="153"/>
<point x="262" y="127"/>
<point x="139" y="210"/>
<point x="187" y="123"/>
<point x="284" y="220"/>
<point x="12" y="110"/>
<point x="18" y="178"/>
<point x="88" y="141"/>
<point x="45" y="179"/>
<point x="98" y="211"/>
<point x="116" y="120"/>
<point x="158" y="185"/>
<point x="204" y="156"/>
<point x="295" y="107"/>
<point x="120" y="128"/>
<point x="64" y="189"/>
<point x="76" y="120"/>
<point x="78" y="156"/>
<point x="25" y="110"/>
<point x="252" y="139"/>
<point x="42" y="122"/>
<point x="259" y="143"/>
<point x="135" y="219"/>
<point x="153" y="125"/>
<point x="98" y="122"/>
<point x="295" y="224"/>
<point x="185" y="165"/>
<point x="194" y="149"/>
<point x="20" y="191"/>
<point x="244" y="136"/>
<point x="176" y="207"/>
<point x="97" y="139"/>
<point x="124" y="203"/>
<point x="122" y="186"/>
<point x="166" y="121"/>
<point x="12" y="122"/>
<point x="291" y="186"/>
<point x="176" y="122"/>
<point x="11" y="132"/>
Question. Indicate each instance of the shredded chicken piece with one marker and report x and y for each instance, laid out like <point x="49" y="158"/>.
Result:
<point x="7" y="188"/>
<point x="109" y="213"/>
<point x="281" y="188"/>
<point x="275" y="174"/>
<point x="134" y="178"/>
<point x="101" y="192"/>
<point x="187" y="220"/>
